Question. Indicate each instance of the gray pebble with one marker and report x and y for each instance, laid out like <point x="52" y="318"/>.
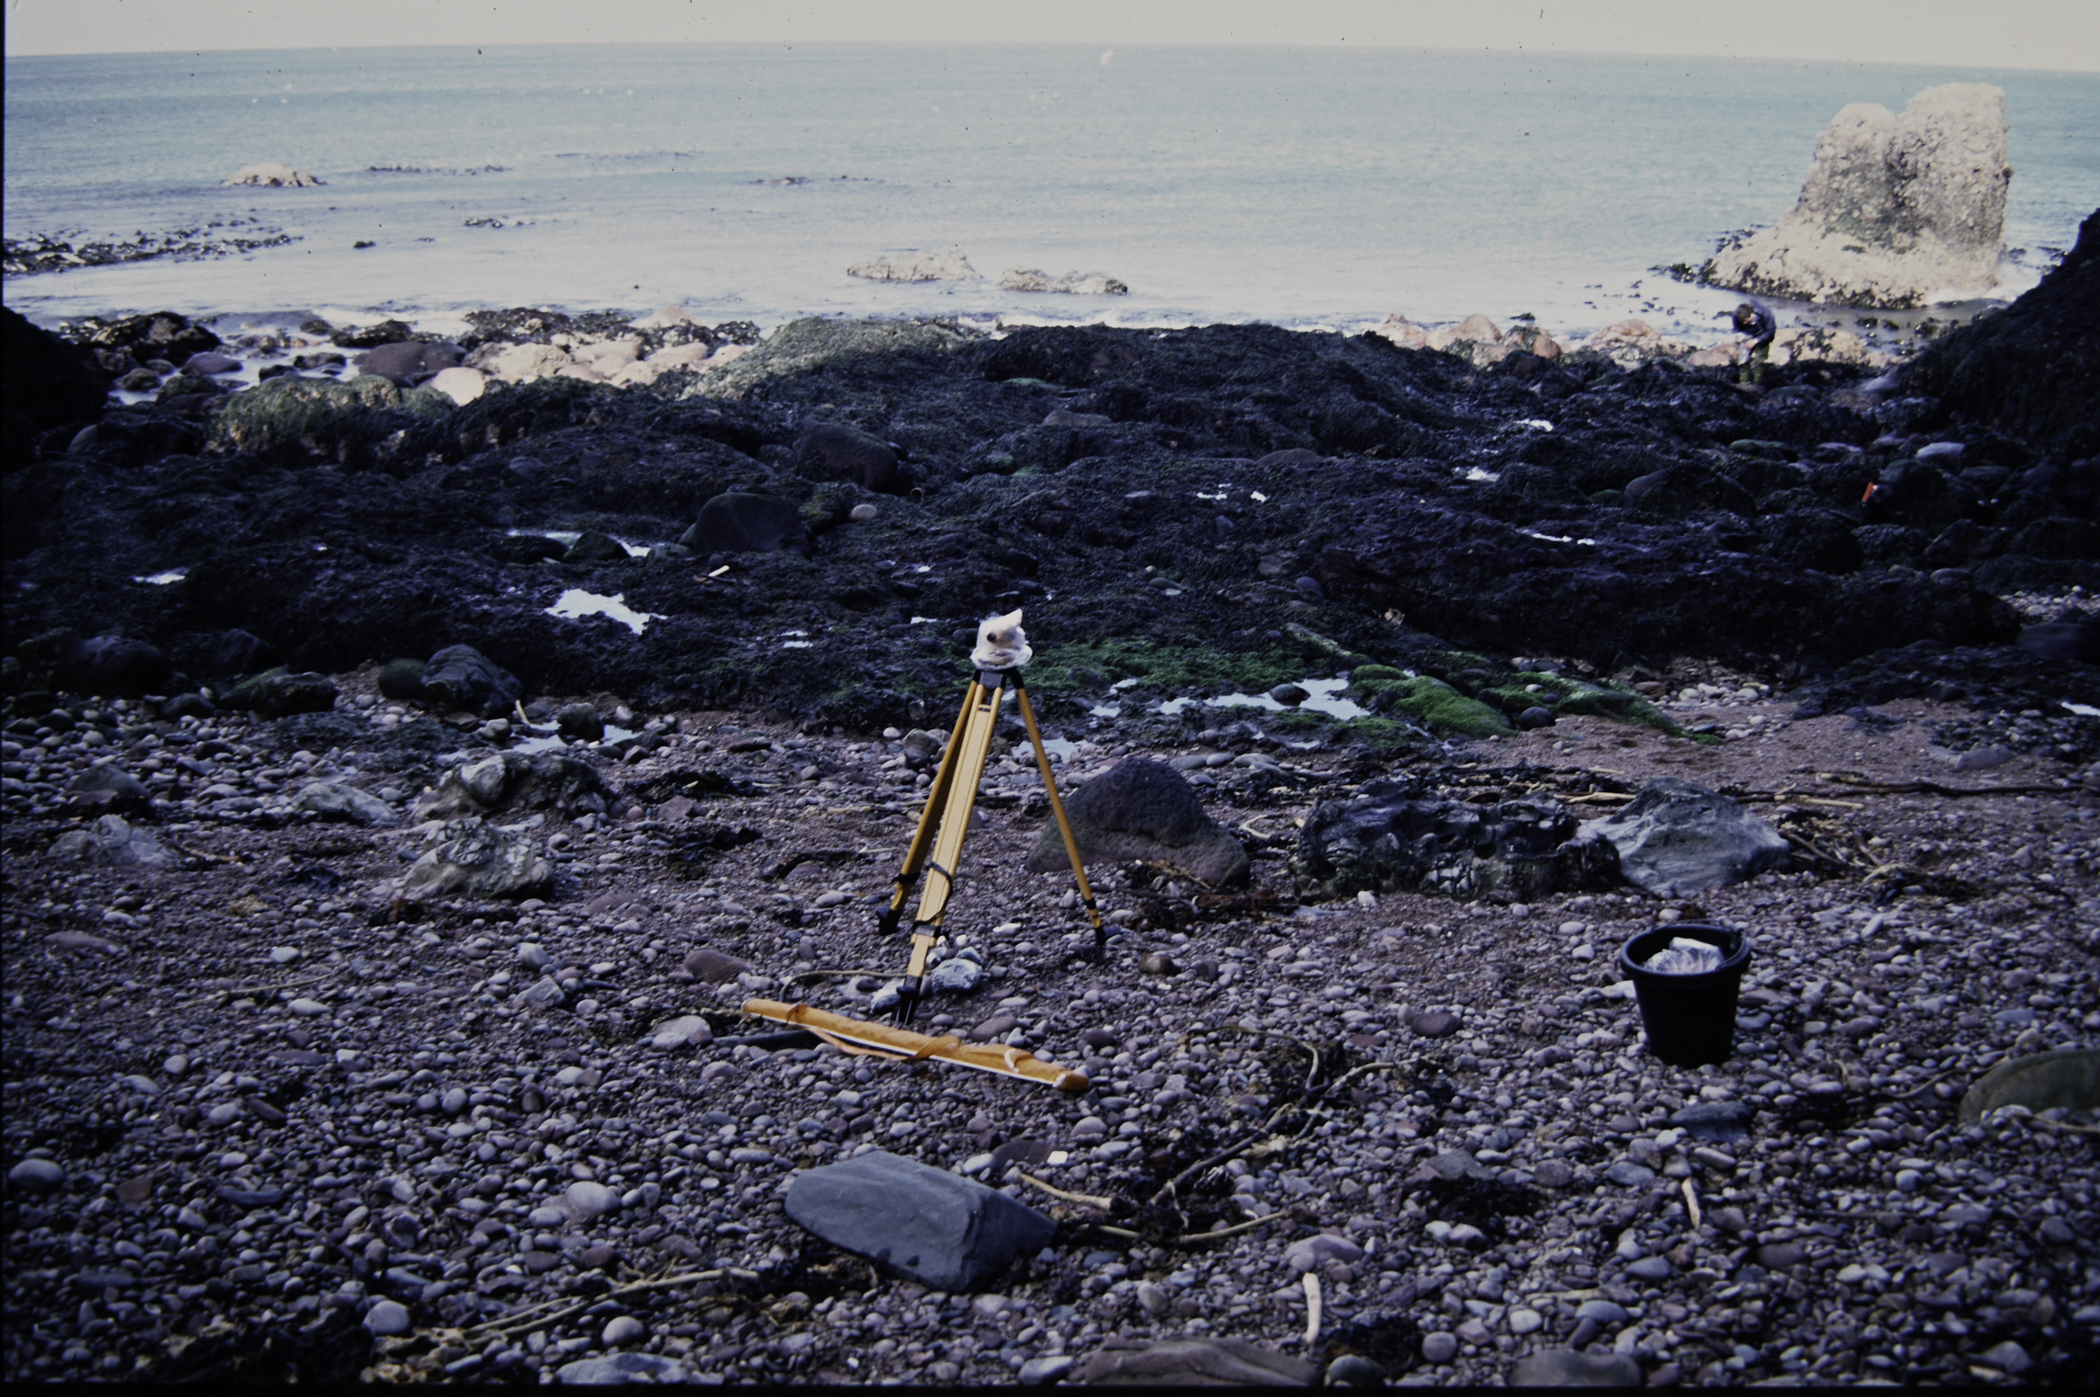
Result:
<point x="1440" y="1347"/>
<point x="387" y="1317"/>
<point x="40" y="1175"/>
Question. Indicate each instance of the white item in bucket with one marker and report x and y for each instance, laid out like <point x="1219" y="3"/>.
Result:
<point x="1684" y="957"/>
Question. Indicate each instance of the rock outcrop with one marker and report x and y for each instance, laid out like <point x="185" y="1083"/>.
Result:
<point x="1897" y="209"/>
<point x="276" y="174"/>
<point x="1071" y="283"/>
<point x="949" y="265"/>
<point x="2033" y="369"/>
<point x="1143" y="812"/>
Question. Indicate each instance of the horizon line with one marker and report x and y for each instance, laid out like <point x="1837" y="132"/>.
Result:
<point x="1113" y="47"/>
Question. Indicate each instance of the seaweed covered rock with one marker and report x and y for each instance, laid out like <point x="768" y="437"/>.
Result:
<point x="461" y="677"/>
<point x="2032" y="369"/>
<point x="837" y="451"/>
<point x="470" y="858"/>
<point x="886" y="347"/>
<point x="513" y="781"/>
<point x="48" y="382"/>
<point x="1143" y="811"/>
<point x="1392" y="837"/>
<point x="279" y="693"/>
<point x="741" y="521"/>
<point x="294" y="417"/>
<point x="1429" y="701"/>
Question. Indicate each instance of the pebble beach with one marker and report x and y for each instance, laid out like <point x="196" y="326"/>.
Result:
<point x="262" y="1121"/>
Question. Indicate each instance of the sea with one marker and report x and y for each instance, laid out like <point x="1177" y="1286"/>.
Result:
<point x="1310" y="188"/>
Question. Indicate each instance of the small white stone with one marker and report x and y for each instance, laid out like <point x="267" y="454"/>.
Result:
<point x="283" y="955"/>
<point x="623" y="1329"/>
<point x="306" y="1008"/>
<point x="1522" y="1322"/>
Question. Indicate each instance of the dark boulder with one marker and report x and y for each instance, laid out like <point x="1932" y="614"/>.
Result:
<point x="1682" y="490"/>
<point x="236" y="652"/>
<point x="738" y="522"/>
<point x="1525" y="490"/>
<point x="111" y="666"/>
<point x="594" y="547"/>
<point x="278" y="693"/>
<point x="461" y="677"/>
<point x="372" y="336"/>
<point x="163" y="335"/>
<point x="1890" y="543"/>
<point x="2033" y="369"/>
<point x="408" y="363"/>
<point x="835" y="451"/>
<point x="1392" y="837"/>
<point x="2064" y="539"/>
<point x="1143" y="811"/>
<point x="926" y="1224"/>
<point x="402" y="680"/>
<point x="2063" y="640"/>
<point x="1811" y="538"/>
<point x="1677" y="838"/>
<point x="48" y="382"/>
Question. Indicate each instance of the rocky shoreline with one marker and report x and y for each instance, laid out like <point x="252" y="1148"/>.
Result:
<point x="391" y="840"/>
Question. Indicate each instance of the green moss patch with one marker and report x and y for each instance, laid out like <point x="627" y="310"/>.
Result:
<point x="1580" y="698"/>
<point x="1430" y="701"/>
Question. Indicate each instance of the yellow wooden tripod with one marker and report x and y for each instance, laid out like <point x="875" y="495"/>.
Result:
<point x="936" y="849"/>
<point x="937" y="846"/>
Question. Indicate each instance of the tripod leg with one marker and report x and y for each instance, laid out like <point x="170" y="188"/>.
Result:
<point x="1057" y="808"/>
<point x="929" y="818"/>
<point x="970" y="749"/>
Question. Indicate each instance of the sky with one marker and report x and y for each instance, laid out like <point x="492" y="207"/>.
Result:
<point x="2054" y="34"/>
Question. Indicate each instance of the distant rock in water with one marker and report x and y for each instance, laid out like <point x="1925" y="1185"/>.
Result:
<point x="272" y="173"/>
<point x="1896" y="210"/>
<point x="950" y="265"/>
<point x="1071" y="283"/>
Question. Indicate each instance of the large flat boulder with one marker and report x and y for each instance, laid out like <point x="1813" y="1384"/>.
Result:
<point x="1896" y="209"/>
<point x="1143" y="812"/>
<point x="468" y="858"/>
<point x="928" y="1225"/>
<point x="514" y="781"/>
<point x="1677" y="838"/>
<point x="1391" y="837"/>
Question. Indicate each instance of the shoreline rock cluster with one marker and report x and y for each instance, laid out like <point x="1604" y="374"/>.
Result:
<point x="59" y="252"/>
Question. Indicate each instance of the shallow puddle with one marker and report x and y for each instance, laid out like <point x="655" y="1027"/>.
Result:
<point x="575" y="604"/>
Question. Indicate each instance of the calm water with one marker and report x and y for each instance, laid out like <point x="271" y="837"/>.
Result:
<point x="1303" y="187"/>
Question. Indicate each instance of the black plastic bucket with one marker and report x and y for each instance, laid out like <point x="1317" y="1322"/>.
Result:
<point x="1690" y="1019"/>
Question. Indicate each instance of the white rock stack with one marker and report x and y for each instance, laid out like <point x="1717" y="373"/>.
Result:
<point x="1897" y="211"/>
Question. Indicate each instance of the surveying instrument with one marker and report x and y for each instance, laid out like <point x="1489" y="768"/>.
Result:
<point x="934" y="855"/>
